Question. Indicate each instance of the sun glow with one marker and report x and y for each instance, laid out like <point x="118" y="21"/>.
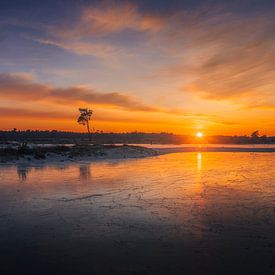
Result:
<point x="199" y="135"/>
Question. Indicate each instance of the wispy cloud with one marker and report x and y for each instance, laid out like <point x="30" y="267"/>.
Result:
<point x="100" y="50"/>
<point x="106" y="18"/>
<point x="87" y="33"/>
<point x="13" y="86"/>
<point x="18" y="112"/>
<point x="224" y="56"/>
<point x="18" y="87"/>
<point x="221" y="55"/>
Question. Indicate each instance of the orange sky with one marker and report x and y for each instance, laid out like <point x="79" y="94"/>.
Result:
<point x="206" y="68"/>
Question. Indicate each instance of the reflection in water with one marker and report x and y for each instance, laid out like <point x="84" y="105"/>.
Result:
<point x="199" y="157"/>
<point x="85" y="172"/>
<point x="22" y="172"/>
<point x="210" y="207"/>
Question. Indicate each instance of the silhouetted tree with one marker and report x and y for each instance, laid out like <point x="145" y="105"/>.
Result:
<point x="255" y="134"/>
<point x="85" y="117"/>
<point x="255" y="137"/>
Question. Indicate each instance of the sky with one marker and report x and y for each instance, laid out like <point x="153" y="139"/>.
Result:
<point x="150" y="66"/>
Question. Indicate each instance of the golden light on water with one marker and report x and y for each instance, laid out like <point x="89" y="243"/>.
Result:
<point x="199" y="158"/>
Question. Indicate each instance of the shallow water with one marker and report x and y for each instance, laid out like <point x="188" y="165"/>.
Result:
<point x="210" y="145"/>
<point x="200" y="213"/>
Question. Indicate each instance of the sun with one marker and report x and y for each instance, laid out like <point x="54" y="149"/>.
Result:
<point x="199" y="135"/>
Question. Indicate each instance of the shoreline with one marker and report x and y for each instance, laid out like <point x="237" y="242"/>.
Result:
<point x="88" y="153"/>
<point x="215" y="149"/>
<point x="76" y="153"/>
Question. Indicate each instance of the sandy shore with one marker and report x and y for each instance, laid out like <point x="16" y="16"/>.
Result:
<point x="53" y="154"/>
<point x="37" y="154"/>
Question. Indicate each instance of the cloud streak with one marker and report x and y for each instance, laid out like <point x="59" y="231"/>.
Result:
<point x="97" y="22"/>
<point x="106" y="18"/>
<point x="224" y="56"/>
<point x="100" y="50"/>
<point x="18" y="87"/>
<point x="26" y="113"/>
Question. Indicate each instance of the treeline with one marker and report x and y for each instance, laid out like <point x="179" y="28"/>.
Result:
<point x="97" y="137"/>
<point x="55" y="136"/>
<point x="241" y="139"/>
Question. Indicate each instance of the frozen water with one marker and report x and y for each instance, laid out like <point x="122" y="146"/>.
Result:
<point x="200" y="213"/>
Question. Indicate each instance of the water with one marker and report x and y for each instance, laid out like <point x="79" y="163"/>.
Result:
<point x="263" y="146"/>
<point x="200" y="213"/>
<point x="158" y="146"/>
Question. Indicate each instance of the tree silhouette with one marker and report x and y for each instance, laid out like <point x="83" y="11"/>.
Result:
<point x="255" y="134"/>
<point x="85" y="117"/>
<point x="255" y="137"/>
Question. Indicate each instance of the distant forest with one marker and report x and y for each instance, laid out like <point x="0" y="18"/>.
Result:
<point x="55" y="136"/>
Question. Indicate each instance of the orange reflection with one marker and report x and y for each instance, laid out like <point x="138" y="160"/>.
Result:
<point x="199" y="157"/>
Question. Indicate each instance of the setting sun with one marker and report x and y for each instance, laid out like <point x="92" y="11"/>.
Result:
<point x="199" y="135"/>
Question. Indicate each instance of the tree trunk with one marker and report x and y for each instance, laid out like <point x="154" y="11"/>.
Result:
<point x="88" y="127"/>
<point x="89" y="131"/>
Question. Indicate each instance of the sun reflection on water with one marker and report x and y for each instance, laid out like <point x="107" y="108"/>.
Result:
<point x="199" y="158"/>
